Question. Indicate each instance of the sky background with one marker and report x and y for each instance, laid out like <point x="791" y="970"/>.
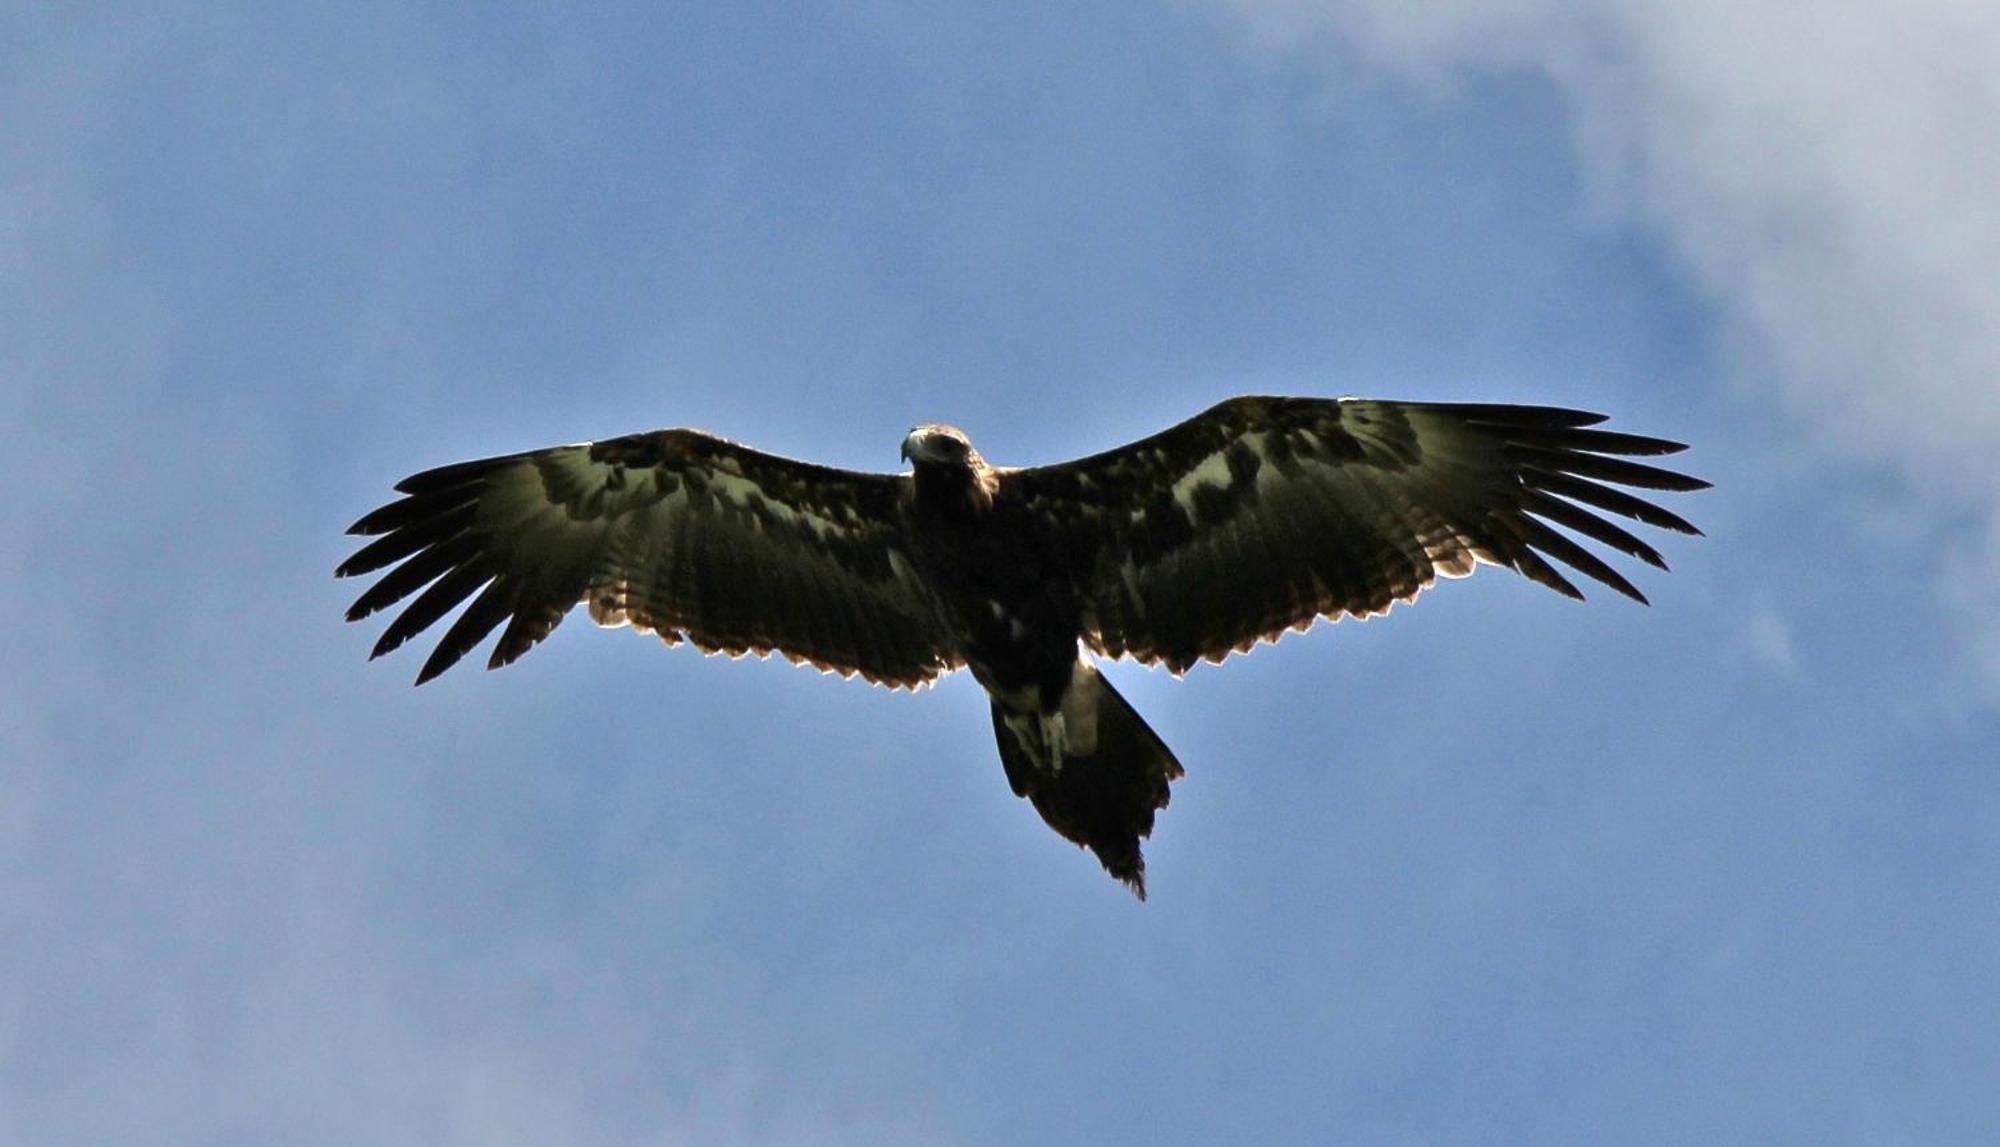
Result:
<point x="1500" y="867"/>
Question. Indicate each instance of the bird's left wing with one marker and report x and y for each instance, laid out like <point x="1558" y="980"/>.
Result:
<point x="673" y="532"/>
<point x="1260" y="515"/>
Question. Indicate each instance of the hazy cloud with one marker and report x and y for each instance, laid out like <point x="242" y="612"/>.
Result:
<point x="1826" y="172"/>
<point x="1770" y="639"/>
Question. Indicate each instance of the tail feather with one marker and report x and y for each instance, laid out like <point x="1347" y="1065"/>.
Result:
<point x="1103" y="800"/>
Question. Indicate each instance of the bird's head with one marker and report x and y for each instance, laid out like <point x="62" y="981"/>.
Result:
<point x="936" y="444"/>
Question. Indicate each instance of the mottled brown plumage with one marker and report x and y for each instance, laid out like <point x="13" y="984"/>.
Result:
<point x="1256" y="517"/>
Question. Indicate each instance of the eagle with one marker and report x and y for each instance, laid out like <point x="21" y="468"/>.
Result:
<point x="1259" y="516"/>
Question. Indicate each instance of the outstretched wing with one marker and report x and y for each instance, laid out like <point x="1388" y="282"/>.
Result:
<point x="674" y="532"/>
<point x="1263" y="514"/>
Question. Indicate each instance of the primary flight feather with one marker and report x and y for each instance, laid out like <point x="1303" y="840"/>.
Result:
<point x="1256" y="516"/>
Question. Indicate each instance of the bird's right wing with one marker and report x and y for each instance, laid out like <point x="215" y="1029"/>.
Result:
<point x="673" y="532"/>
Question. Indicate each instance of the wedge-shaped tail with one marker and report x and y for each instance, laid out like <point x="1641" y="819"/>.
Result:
<point x="1105" y="799"/>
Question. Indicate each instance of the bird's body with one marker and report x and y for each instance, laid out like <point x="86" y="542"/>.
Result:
<point x="1253" y="518"/>
<point x="1068" y="741"/>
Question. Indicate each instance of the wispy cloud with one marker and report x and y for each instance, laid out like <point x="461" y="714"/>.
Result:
<point x="1770" y="639"/>
<point x="1825" y="172"/>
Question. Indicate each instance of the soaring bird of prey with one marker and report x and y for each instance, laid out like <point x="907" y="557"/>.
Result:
<point x="1257" y="516"/>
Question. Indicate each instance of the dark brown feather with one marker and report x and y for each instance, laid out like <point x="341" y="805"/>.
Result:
<point x="443" y="595"/>
<point x="1604" y="469"/>
<point x="401" y="543"/>
<point x="1606" y="498"/>
<point x="414" y="574"/>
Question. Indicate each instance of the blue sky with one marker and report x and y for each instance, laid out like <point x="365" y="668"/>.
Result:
<point x="1495" y="867"/>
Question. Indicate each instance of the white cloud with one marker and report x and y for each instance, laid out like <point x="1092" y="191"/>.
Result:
<point x="1827" y="172"/>
<point x="1770" y="639"/>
